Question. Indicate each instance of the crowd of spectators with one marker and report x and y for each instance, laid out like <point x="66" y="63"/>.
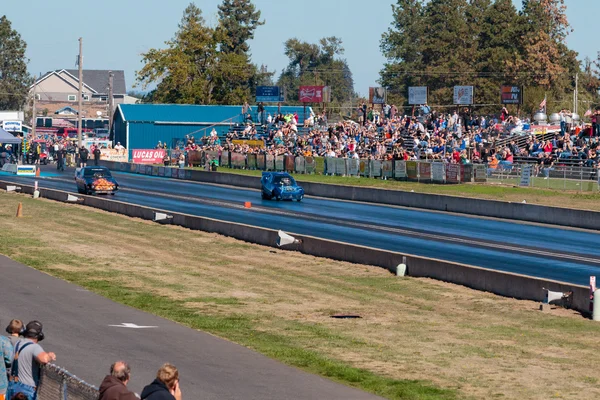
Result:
<point x="383" y="133"/>
<point x="22" y="357"/>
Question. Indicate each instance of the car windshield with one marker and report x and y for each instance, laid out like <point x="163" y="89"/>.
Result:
<point x="97" y="173"/>
<point x="284" y="180"/>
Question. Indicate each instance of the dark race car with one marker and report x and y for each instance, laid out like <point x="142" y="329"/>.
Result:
<point x="95" y="180"/>
<point x="281" y="186"/>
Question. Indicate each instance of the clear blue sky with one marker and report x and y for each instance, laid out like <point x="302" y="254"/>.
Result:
<point x="116" y="32"/>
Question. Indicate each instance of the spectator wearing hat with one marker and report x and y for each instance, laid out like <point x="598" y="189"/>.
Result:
<point x="114" y="386"/>
<point x="29" y="356"/>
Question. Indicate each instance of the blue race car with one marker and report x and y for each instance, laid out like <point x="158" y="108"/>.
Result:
<point x="281" y="186"/>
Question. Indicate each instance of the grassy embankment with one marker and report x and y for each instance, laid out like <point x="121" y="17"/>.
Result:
<point x="418" y="338"/>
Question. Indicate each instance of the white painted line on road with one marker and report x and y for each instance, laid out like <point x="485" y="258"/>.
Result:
<point x="133" y="326"/>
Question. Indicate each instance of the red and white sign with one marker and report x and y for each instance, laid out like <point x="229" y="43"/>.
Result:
<point x="311" y="94"/>
<point x="150" y="156"/>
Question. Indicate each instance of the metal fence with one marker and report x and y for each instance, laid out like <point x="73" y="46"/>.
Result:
<point x="562" y="177"/>
<point x="58" y="384"/>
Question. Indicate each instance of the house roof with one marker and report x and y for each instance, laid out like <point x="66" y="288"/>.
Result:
<point x="97" y="79"/>
<point x="94" y="79"/>
<point x="67" y="108"/>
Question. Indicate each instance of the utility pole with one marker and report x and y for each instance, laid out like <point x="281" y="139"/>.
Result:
<point x="110" y="102"/>
<point x="34" y="111"/>
<point x="576" y="93"/>
<point x="80" y="94"/>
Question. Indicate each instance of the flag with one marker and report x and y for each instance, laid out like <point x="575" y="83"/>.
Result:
<point x="588" y="113"/>
<point x="543" y="104"/>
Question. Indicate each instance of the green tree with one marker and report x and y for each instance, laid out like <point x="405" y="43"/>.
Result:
<point x="238" y="20"/>
<point x="14" y="78"/>
<point x="317" y="64"/>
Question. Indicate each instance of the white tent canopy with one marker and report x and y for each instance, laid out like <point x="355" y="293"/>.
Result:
<point x="7" y="138"/>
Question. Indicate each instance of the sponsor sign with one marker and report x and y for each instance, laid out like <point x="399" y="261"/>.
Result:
<point x="375" y="169"/>
<point x="438" y="172"/>
<point x="411" y="170"/>
<point x="288" y="162"/>
<point x="417" y="95"/>
<point x="453" y="173"/>
<point x="279" y="163"/>
<point x="150" y="156"/>
<point x="387" y="169"/>
<point x="480" y="172"/>
<point x="363" y="167"/>
<point x="12" y="126"/>
<point x="511" y="94"/>
<point x="466" y="173"/>
<point x="352" y="166"/>
<point x="26" y="170"/>
<point x="314" y="94"/>
<point x="251" y="161"/>
<point x="270" y="160"/>
<point x="463" y="94"/>
<point x="251" y="143"/>
<point x="299" y="164"/>
<point x="310" y="165"/>
<point x="424" y="171"/>
<point x="114" y="155"/>
<point x="268" y="94"/>
<point x="377" y="95"/>
<point x="525" y="175"/>
<point x="400" y="169"/>
<point x="238" y="160"/>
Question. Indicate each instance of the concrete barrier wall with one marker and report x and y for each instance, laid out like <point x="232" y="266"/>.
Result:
<point x="505" y="284"/>
<point x="479" y="207"/>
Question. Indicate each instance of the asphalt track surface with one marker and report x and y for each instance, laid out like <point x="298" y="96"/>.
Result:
<point x="549" y="252"/>
<point x="77" y="324"/>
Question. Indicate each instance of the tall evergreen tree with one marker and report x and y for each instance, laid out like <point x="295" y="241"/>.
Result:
<point x="238" y="20"/>
<point x="14" y="78"/>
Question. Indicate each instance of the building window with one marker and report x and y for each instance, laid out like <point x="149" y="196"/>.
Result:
<point x="103" y="98"/>
<point x="86" y="97"/>
<point x="72" y="97"/>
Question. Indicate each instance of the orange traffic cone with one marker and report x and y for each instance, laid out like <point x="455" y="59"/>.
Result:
<point x="20" y="210"/>
<point x="247" y="204"/>
<point x="37" y="172"/>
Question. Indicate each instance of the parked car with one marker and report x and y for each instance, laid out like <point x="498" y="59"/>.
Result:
<point x="95" y="180"/>
<point x="281" y="186"/>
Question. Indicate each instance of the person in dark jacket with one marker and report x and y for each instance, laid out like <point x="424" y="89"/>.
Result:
<point x="97" y="153"/>
<point x="165" y="386"/>
<point x="114" y="386"/>
<point x="83" y="156"/>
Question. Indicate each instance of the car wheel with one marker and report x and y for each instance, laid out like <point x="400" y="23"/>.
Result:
<point x="299" y="199"/>
<point x="264" y="196"/>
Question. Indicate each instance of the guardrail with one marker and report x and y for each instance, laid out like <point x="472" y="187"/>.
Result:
<point x="57" y="383"/>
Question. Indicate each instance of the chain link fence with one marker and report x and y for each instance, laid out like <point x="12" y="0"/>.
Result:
<point x="573" y="178"/>
<point x="58" y="384"/>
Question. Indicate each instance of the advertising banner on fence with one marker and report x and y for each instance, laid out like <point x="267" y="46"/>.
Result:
<point x="238" y="160"/>
<point x="310" y="165"/>
<point x="270" y="160"/>
<point x="511" y="94"/>
<point x="479" y="172"/>
<point x="251" y="143"/>
<point x="352" y="166"/>
<point x="115" y="155"/>
<point x="375" y="169"/>
<point x="411" y="170"/>
<point x="417" y="95"/>
<point x="377" y="95"/>
<point x="251" y="161"/>
<point x="288" y="162"/>
<point x="261" y="162"/>
<point x="453" y="173"/>
<point x="279" y="163"/>
<point x="438" y="172"/>
<point x="268" y="94"/>
<point x="148" y="156"/>
<point x="314" y="94"/>
<point x="363" y="167"/>
<point x="463" y="95"/>
<point x="300" y="164"/>
<point x="400" y="169"/>
<point x="387" y="168"/>
<point x="466" y="173"/>
<point x="425" y="171"/>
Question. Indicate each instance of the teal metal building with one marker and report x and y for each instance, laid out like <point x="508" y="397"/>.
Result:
<point x="142" y="126"/>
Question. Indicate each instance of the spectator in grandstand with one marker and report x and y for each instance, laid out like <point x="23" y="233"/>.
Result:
<point x="114" y="386"/>
<point x="15" y="330"/>
<point x="29" y="356"/>
<point x="6" y="354"/>
<point x="165" y="386"/>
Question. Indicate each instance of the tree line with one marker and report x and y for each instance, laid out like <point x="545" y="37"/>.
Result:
<point x="433" y="43"/>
